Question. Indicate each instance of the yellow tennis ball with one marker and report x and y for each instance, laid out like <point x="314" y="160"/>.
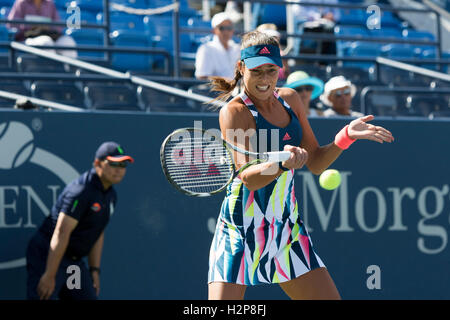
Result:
<point x="330" y="179"/>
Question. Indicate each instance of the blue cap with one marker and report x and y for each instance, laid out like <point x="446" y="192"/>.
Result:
<point x="112" y="151"/>
<point x="256" y="56"/>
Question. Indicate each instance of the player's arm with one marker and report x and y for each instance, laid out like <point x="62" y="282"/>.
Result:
<point x="236" y="127"/>
<point x="319" y="157"/>
<point x="58" y="246"/>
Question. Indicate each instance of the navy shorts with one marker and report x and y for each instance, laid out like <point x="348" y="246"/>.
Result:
<point x="37" y="252"/>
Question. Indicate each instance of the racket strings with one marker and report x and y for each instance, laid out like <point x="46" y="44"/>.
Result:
<point x="198" y="165"/>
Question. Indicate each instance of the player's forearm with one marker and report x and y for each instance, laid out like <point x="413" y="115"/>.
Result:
<point x="94" y="258"/>
<point x="258" y="176"/>
<point x="322" y="158"/>
<point x="58" y="246"/>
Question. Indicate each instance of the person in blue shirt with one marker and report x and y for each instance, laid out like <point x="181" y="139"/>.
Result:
<point x="75" y="229"/>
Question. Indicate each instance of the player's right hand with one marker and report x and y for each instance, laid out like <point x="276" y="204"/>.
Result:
<point x="46" y="286"/>
<point x="298" y="159"/>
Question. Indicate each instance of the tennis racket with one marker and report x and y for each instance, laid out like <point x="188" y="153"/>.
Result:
<point x="200" y="163"/>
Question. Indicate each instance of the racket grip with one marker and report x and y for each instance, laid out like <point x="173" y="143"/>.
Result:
<point x="278" y="156"/>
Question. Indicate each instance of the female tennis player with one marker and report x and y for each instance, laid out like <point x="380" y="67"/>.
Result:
<point x="259" y="237"/>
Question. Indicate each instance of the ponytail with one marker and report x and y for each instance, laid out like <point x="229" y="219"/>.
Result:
<point x="225" y="86"/>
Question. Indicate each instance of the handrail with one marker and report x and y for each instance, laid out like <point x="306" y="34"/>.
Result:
<point x="40" y="102"/>
<point x="411" y="68"/>
<point x="410" y="90"/>
<point x="112" y="73"/>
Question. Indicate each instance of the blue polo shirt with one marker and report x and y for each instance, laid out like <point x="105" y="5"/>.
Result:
<point x="85" y="200"/>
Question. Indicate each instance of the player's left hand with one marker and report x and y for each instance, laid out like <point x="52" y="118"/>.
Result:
<point x="360" y="129"/>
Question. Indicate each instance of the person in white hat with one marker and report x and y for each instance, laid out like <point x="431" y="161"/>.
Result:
<point x="218" y="57"/>
<point x="338" y="94"/>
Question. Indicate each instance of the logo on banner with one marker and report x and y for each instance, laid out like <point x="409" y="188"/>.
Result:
<point x="17" y="148"/>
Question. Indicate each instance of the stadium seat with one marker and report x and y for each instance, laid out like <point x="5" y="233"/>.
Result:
<point x="424" y="104"/>
<point x="352" y="17"/>
<point x="87" y="37"/>
<point x="363" y="49"/>
<point x="4" y="37"/>
<point x="439" y="114"/>
<point x="383" y="103"/>
<point x="130" y="61"/>
<point x="396" y="77"/>
<point x="161" y="31"/>
<point x="90" y="5"/>
<point x="139" y="4"/>
<point x="12" y="87"/>
<point x="354" y="31"/>
<point x="386" y="33"/>
<point x="397" y="51"/>
<point x="312" y="70"/>
<point x="354" y="74"/>
<point x="124" y="21"/>
<point x="66" y="93"/>
<point x="157" y="101"/>
<point x="26" y="63"/>
<point x="111" y="97"/>
<point x="195" y="38"/>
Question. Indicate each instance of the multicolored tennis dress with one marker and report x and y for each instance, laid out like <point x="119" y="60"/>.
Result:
<point x="259" y="236"/>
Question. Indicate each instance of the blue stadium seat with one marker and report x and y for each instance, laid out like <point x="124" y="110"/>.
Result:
<point x="66" y="93"/>
<point x="397" y="51"/>
<point x="12" y="87"/>
<point x="124" y="21"/>
<point x="4" y="37"/>
<point x="140" y="4"/>
<point x="111" y="97"/>
<point x="355" y="31"/>
<point x="387" y="104"/>
<point x="352" y="17"/>
<point x="269" y="13"/>
<point x="195" y="39"/>
<point x="90" y="5"/>
<point x="131" y="61"/>
<point x="27" y="63"/>
<point x="157" y="101"/>
<point x="354" y="74"/>
<point x="363" y="49"/>
<point x="88" y="37"/>
<point x="160" y="28"/>
<point x="425" y="104"/>
<point x="386" y="33"/>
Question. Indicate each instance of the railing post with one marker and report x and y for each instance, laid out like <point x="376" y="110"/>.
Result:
<point x="106" y="22"/>
<point x="176" y="39"/>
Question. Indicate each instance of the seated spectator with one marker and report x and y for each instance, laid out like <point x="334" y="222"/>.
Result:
<point x="312" y="13"/>
<point x="218" y="57"/>
<point x="338" y="94"/>
<point x="317" y="20"/>
<point x="271" y="30"/>
<point x="40" y="35"/>
<point x="308" y="88"/>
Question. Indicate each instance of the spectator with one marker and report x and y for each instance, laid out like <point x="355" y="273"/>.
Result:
<point x="218" y="57"/>
<point x="271" y="30"/>
<point x="308" y="88"/>
<point x="311" y="13"/>
<point x="40" y="35"/>
<point x="338" y="94"/>
<point x="317" y="20"/>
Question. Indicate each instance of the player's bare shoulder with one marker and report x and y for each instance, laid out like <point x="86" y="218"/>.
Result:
<point x="292" y="98"/>
<point x="235" y="114"/>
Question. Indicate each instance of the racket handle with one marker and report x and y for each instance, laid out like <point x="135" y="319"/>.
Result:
<point x="278" y="156"/>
